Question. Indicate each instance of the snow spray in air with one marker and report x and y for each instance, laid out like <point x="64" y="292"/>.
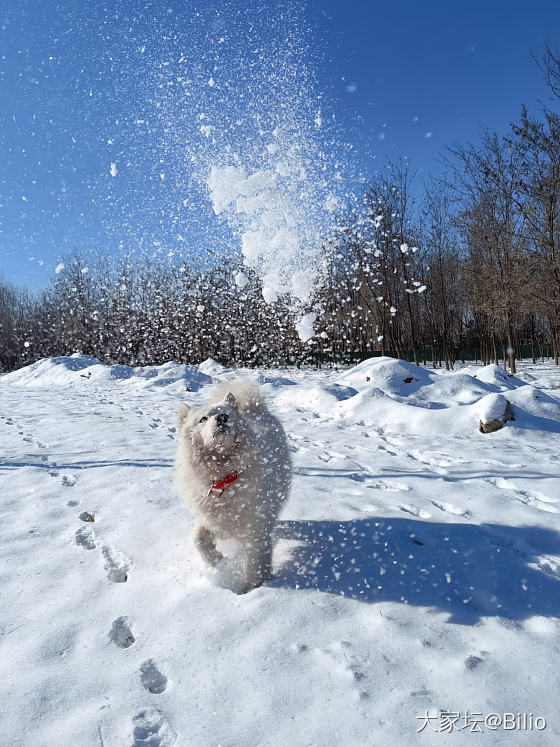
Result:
<point x="271" y="174"/>
<point x="226" y="142"/>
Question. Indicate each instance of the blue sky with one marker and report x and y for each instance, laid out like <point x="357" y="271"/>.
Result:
<point x="85" y="85"/>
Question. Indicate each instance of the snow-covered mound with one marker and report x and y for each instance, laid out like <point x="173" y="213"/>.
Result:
<point x="534" y="406"/>
<point x="77" y="369"/>
<point x="532" y="409"/>
<point x="393" y="376"/>
<point x="426" y="388"/>
<point x="493" y="375"/>
<point x="215" y="370"/>
<point x="399" y="396"/>
<point x="321" y="399"/>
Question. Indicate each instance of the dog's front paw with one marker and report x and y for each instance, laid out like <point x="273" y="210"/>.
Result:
<point x="228" y="574"/>
<point x="245" y="587"/>
<point x="253" y="583"/>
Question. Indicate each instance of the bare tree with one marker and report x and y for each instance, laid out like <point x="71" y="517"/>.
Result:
<point x="444" y="299"/>
<point x="487" y="178"/>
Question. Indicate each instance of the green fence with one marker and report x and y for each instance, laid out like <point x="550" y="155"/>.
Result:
<point x="424" y="354"/>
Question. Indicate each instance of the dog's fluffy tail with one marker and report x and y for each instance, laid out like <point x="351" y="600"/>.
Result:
<point x="247" y="393"/>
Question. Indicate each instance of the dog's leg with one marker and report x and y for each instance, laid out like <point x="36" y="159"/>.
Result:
<point x="205" y="543"/>
<point x="259" y="561"/>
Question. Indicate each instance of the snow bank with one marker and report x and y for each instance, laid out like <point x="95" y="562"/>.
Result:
<point x="534" y="402"/>
<point x="77" y="369"/>
<point x="321" y="399"/>
<point x="383" y="392"/>
<point x="392" y="375"/>
<point x="397" y="395"/>
<point x="494" y="375"/>
<point x="215" y="370"/>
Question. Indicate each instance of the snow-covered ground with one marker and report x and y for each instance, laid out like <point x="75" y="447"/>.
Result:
<point x="417" y="568"/>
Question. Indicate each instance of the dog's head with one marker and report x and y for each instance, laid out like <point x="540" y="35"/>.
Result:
<point x="212" y="431"/>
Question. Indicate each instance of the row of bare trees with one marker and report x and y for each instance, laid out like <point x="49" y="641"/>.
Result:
<point x="485" y="242"/>
<point x="472" y="270"/>
<point x="142" y="312"/>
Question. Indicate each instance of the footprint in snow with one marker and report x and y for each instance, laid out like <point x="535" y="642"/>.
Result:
<point x="472" y="662"/>
<point x="152" y="679"/>
<point x="152" y="728"/>
<point x="529" y="498"/>
<point x="540" y="501"/>
<point x="121" y="633"/>
<point x="544" y="498"/>
<point x="422" y="693"/>
<point x="501" y="483"/>
<point x="69" y="481"/>
<point x="414" y="511"/>
<point x="390" y="487"/>
<point x="449" y="508"/>
<point x="550" y="564"/>
<point x="340" y="653"/>
<point x="85" y="537"/>
<point x="87" y="516"/>
<point x="117" y="565"/>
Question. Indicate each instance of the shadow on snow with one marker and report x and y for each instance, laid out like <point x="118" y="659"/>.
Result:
<point x="458" y="474"/>
<point x="469" y="571"/>
<point x="54" y="465"/>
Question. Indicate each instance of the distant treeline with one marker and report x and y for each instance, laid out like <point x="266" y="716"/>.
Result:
<point x="473" y="271"/>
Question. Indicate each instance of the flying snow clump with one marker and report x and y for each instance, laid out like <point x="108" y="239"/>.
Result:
<point x="305" y="326"/>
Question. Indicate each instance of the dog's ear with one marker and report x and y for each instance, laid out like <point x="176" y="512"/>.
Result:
<point x="184" y="410"/>
<point x="230" y="400"/>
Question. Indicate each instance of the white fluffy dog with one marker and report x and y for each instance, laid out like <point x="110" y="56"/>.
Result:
<point x="233" y="470"/>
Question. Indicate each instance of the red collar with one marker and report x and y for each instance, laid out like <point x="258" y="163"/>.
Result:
<point x="219" y="487"/>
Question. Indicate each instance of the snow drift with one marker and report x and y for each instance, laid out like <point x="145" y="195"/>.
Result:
<point x="77" y="369"/>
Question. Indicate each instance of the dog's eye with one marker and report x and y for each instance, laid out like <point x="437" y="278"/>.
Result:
<point x="203" y="419"/>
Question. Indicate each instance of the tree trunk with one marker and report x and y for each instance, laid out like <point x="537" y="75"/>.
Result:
<point x="510" y="349"/>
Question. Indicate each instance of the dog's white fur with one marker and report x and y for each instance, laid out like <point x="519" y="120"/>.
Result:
<point x="234" y="433"/>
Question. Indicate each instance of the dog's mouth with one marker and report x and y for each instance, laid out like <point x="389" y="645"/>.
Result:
<point x="221" y="442"/>
<point x="221" y="425"/>
<point x="222" y="429"/>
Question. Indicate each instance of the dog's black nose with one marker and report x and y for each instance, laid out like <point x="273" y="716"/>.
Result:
<point x="222" y="418"/>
